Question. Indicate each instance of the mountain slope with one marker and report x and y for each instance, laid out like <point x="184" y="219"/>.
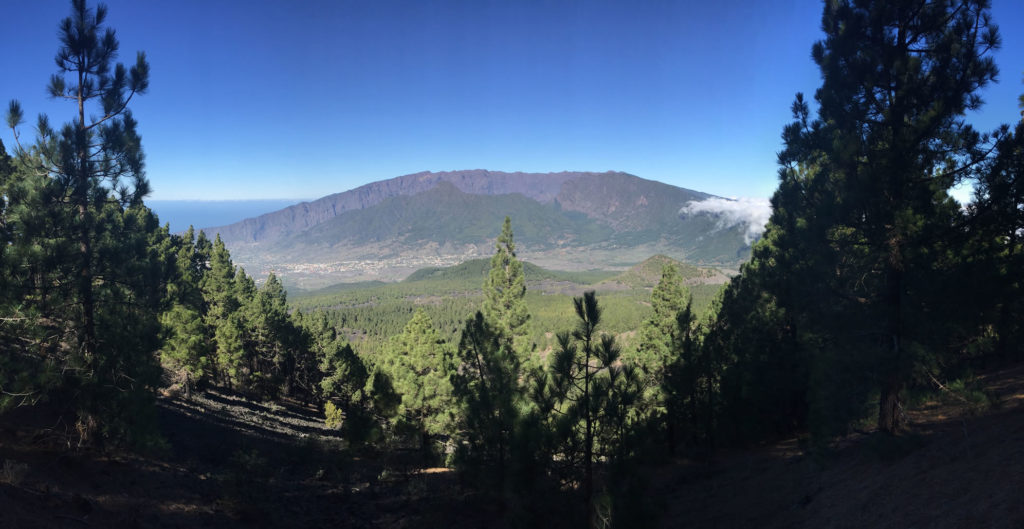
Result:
<point x="446" y="215"/>
<point x="626" y="202"/>
<point x="622" y="201"/>
<point x="568" y="221"/>
<point x="541" y="187"/>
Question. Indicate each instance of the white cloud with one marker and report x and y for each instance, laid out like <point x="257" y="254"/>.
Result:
<point x="750" y="212"/>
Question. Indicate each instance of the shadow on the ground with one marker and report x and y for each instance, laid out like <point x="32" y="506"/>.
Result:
<point x="955" y="467"/>
<point x="222" y="469"/>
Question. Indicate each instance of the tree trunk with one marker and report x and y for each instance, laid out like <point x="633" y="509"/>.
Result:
<point x="81" y="196"/>
<point x="670" y="435"/>
<point x="588" y="473"/>
<point x="890" y="417"/>
<point x="501" y="460"/>
<point x="85" y="293"/>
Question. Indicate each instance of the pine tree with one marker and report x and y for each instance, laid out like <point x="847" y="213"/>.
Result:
<point x="588" y="395"/>
<point x="888" y="144"/>
<point x="505" y="288"/>
<point x="655" y="351"/>
<point x="91" y="158"/>
<point x="223" y="314"/>
<point x="1020" y="104"/>
<point x="185" y="336"/>
<point x="486" y="386"/>
<point x="760" y="337"/>
<point x="997" y="219"/>
<point x="6" y="235"/>
<point x="315" y="335"/>
<point x="271" y="337"/>
<point x="345" y="375"/>
<point x="81" y="218"/>
<point x="420" y="366"/>
<point x="30" y="364"/>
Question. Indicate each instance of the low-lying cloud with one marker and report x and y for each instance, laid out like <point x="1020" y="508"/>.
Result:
<point x="752" y="213"/>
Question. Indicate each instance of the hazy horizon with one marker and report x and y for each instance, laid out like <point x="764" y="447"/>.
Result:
<point x="201" y="213"/>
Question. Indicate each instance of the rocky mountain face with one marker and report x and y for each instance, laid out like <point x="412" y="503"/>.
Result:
<point x="567" y="220"/>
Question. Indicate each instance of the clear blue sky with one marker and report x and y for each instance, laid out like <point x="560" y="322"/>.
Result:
<point x="280" y="99"/>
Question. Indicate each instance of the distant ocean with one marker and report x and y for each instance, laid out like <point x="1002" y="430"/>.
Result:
<point x="211" y="213"/>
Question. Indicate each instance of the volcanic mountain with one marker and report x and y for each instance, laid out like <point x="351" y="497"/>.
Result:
<point x="567" y="220"/>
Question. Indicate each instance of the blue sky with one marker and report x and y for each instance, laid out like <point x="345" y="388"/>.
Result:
<point x="279" y="99"/>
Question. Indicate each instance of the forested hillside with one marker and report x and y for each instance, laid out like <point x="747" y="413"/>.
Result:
<point x="540" y="398"/>
<point x="369" y="313"/>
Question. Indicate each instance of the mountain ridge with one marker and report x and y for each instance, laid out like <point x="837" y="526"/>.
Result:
<point x="567" y="220"/>
<point x="542" y="187"/>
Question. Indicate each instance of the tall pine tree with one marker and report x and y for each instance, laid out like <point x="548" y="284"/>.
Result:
<point x="505" y="288"/>
<point x="588" y="395"/>
<point x="486" y="386"/>
<point x="655" y="352"/>
<point x="90" y="278"/>
<point x="871" y="177"/>
<point x="997" y="222"/>
<point x="420" y="365"/>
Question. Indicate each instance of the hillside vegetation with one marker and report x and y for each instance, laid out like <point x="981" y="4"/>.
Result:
<point x="369" y="313"/>
<point x="864" y="367"/>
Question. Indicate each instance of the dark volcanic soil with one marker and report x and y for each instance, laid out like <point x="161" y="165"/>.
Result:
<point x="230" y="462"/>
<point x="959" y="466"/>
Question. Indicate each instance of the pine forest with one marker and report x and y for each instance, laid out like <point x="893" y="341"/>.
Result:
<point x="862" y="366"/>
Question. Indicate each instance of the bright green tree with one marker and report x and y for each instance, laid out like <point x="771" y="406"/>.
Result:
<point x="505" y="288"/>
<point x="420" y="365"/>
<point x="655" y="352"/>
<point x="185" y="335"/>
<point x="223" y="314"/>
<point x="271" y="337"/>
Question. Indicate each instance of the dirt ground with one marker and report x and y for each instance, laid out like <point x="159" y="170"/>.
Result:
<point x="958" y="466"/>
<point x="230" y="462"/>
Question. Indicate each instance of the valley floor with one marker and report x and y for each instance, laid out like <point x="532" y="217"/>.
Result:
<point x="234" y="463"/>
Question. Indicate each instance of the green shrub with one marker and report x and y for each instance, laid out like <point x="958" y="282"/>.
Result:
<point x="333" y="416"/>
